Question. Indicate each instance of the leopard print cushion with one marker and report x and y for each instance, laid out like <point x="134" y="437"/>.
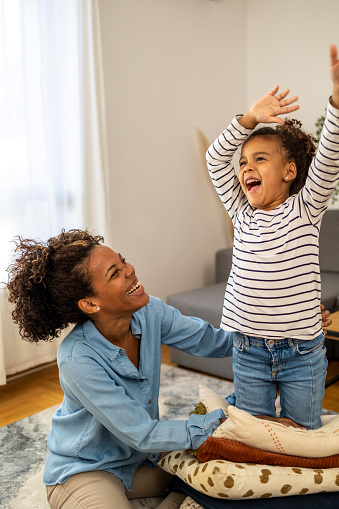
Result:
<point x="225" y="479"/>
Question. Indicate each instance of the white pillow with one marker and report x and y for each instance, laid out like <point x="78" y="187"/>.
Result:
<point x="226" y="479"/>
<point x="212" y="400"/>
<point x="275" y="437"/>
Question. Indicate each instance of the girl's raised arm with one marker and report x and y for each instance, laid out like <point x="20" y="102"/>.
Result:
<point x="334" y="74"/>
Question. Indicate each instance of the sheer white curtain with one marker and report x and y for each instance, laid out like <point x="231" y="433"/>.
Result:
<point x="53" y="163"/>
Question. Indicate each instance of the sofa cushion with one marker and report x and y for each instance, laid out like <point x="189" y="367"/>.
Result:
<point x="206" y="302"/>
<point x="330" y="289"/>
<point x="223" y="264"/>
<point x="329" y="242"/>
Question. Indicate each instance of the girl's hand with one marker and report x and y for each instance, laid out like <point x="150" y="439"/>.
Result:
<point x="325" y="318"/>
<point x="267" y="108"/>
<point x="334" y="74"/>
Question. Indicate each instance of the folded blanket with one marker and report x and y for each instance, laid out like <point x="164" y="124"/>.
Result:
<point x="223" y="448"/>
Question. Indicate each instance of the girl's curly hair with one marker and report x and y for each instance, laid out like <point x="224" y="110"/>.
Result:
<point x="295" y="144"/>
<point x="47" y="280"/>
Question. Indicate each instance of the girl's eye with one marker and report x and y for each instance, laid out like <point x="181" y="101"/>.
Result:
<point x="260" y="158"/>
<point x="242" y="163"/>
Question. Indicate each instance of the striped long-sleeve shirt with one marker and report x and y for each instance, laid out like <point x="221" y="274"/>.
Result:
<point x="274" y="287"/>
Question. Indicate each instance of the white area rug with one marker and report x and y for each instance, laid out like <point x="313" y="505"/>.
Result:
<point x="23" y="443"/>
<point x="189" y="503"/>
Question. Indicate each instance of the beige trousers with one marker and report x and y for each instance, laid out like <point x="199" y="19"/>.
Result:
<point x="102" y="490"/>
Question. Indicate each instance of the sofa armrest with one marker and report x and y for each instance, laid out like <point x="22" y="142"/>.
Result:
<point x="223" y="264"/>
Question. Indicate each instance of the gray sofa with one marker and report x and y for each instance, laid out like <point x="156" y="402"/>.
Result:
<point x="207" y="302"/>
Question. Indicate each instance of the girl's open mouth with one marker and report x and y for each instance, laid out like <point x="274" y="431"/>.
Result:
<point x="252" y="185"/>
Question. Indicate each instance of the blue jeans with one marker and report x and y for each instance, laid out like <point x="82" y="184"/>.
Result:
<point x="297" y="367"/>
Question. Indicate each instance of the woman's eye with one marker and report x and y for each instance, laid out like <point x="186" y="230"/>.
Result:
<point x="122" y="259"/>
<point x="114" y="274"/>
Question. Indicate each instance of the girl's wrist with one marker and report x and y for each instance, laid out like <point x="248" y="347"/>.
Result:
<point x="335" y="96"/>
<point x="247" y="121"/>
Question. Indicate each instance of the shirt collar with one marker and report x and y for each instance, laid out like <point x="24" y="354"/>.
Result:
<point x="95" y="338"/>
<point x="98" y="341"/>
<point x="135" y="325"/>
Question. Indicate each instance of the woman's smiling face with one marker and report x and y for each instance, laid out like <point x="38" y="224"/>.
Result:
<point x="265" y="176"/>
<point x="118" y="292"/>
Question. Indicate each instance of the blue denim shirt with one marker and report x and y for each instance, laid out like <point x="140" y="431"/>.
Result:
<point x="109" y="417"/>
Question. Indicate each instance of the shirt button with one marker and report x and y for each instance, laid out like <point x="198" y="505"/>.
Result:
<point x="150" y="401"/>
<point x="270" y="342"/>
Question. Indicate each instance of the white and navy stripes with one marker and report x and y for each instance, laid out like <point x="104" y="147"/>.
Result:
<point x="274" y="287"/>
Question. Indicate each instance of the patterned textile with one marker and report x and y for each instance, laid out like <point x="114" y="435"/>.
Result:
<point x="275" y="437"/>
<point x="229" y="480"/>
<point x="316" y="501"/>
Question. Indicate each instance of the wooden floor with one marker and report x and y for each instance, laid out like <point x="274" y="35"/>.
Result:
<point x="36" y="391"/>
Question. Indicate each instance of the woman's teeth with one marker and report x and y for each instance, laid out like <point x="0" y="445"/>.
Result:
<point x="134" y="288"/>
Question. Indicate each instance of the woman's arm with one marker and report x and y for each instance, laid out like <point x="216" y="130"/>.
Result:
<point x="128" y="418"/>
<point x="192" y="335"/>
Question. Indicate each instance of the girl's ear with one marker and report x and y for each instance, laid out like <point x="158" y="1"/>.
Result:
<point x="291" y="172"/>
<point x="88" y="306"/>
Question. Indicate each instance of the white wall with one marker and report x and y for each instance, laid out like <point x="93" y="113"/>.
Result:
<point x="287" y="44"/>
<point x="170" y="66"/>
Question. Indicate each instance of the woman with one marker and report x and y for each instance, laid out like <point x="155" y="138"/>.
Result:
<point x="109" y="369"/>
<point x="106" y="437"/>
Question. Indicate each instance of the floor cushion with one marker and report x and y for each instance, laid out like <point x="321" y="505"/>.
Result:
<point x="231" y="480"/>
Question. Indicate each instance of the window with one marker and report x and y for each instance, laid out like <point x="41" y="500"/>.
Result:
<point x="41" y="134"/>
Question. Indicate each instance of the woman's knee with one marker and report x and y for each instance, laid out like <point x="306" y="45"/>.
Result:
<point x="149" y="482"/>
<point x="89" y="490"/>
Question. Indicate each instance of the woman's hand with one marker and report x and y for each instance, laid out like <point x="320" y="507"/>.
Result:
<point x="267" y="108"/>
<point x="326" y="321"/>
<point x="286" y="421"/>
<point x="334" y="74"/>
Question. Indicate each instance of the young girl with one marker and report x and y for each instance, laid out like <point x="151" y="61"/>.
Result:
<point x="276" y="204"/>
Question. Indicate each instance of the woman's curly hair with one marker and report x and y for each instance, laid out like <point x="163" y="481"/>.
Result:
<point x="295" y="144"/>
<point x="47" y="280"/>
